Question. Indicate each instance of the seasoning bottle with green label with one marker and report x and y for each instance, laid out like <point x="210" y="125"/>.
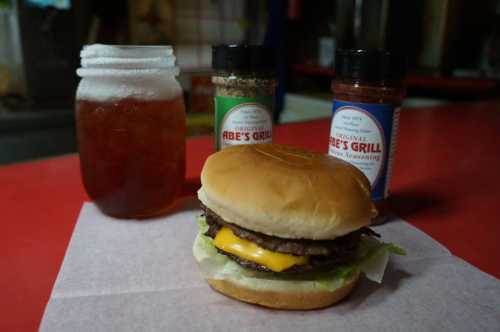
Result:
<point x="244" y="80"/>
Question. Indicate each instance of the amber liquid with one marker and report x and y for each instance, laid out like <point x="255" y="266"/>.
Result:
<point x="132" y="154"/>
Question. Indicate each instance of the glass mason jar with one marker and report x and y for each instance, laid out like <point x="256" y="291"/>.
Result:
<point x="131" y="129"/>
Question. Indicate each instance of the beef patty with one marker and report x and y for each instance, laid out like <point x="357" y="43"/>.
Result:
<point x="323" y="254"/>
<point x="314" y="264"/>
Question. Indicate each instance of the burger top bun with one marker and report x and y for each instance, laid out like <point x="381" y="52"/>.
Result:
<point x="286" y="192"/>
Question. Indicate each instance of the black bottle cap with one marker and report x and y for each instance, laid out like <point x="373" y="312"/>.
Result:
<point x="370" y="65"/>
<point x="243" y="57"/>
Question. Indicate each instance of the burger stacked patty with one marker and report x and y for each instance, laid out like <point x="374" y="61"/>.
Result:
<point x="323" y="254"/>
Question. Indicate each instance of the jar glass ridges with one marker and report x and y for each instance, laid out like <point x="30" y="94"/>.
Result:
<point x="131" y="129"/>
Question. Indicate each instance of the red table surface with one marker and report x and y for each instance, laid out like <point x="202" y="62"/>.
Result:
<point x="446" y="182"/>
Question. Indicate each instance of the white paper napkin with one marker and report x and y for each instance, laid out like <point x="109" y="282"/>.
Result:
<point x="140" y="276"/>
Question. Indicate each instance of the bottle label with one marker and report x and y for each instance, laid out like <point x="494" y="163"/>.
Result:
<point x="241" y="120"/>
<point x="365" y="136"/>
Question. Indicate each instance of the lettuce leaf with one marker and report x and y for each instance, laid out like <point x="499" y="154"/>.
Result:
<point x="371" y="259"/>
<point x="373" y="256"/>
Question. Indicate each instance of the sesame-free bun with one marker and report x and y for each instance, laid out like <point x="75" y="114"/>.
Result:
<point x="286" y="192"/>
<point x="290" y="299"/>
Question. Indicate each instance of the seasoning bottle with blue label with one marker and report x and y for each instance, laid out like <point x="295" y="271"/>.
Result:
<point x="368" y="90"/>
<point x="244" y="80"/>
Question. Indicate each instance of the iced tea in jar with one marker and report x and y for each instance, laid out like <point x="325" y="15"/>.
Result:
<point x="131" y="128"/>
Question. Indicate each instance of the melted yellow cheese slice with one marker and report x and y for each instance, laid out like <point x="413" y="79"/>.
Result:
<point x="226" y="240"/>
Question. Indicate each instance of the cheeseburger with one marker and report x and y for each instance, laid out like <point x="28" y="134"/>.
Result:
<point x="286" y="228"/>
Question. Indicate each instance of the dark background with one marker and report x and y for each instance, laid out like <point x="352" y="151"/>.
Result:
<point x="452" y="47"/>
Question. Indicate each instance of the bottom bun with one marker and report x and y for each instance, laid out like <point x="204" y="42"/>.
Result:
<point x="291" y="300"/>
